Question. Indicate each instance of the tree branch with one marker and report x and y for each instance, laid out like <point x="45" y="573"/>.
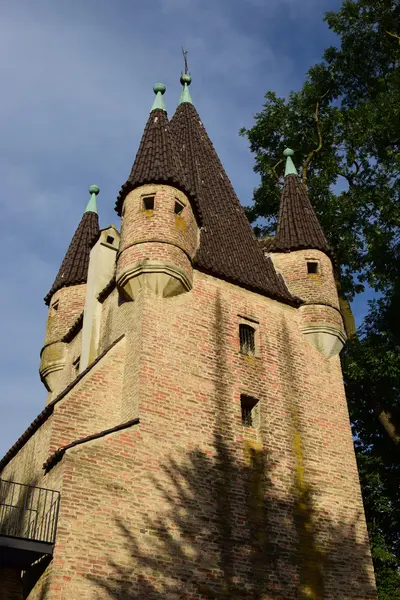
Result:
<point x="394" y="35"/>
<point x="317" y="149"/>
<point x="273" y="170"/>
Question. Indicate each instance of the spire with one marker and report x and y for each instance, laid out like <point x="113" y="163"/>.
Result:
<point x="290" y="169"/>
<point x="159" y="90"/>
<point x="92" y="204"/>
<point x="298" y="226"/>
<point x="74" y="267"/>
<point x="157" y="160"/>
<point x="185" y="95"/>
<point x="228" y="247"/>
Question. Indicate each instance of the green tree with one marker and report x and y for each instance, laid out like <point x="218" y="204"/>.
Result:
<point x="345" y="127"/>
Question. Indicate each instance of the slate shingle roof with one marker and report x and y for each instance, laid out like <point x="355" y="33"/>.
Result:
<point x="157" y="160"/>
<point x="74" y="267"/>
<point x="298" y="226"/>
<point x="228" y="246"/>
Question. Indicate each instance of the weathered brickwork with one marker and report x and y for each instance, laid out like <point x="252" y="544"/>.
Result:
<point x="157" y="245"/>
<point x="190" y="503"/>
<point x="65" y="307"/>
<point x="70" y="304"/>
<point x="312" y="288"/>
<point x="160" y="224"/>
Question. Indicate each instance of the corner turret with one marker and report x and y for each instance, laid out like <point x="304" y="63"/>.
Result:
<point x="160" y="215"/>
<point x="66" y="297"/>
<point x="302" y="254"/>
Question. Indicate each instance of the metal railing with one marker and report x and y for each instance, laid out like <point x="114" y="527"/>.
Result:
<point x="28" y="512"/>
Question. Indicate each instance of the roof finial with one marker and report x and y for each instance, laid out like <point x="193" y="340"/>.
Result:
<point x="290" y="169"/>
<point x="92" y="204"/>
<point x="185" y="81"/>
<point x="159" y="90"/>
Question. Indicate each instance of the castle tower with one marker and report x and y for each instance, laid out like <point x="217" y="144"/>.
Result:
<point x="302" y="254"/>
<point x="66" y="297"/>
<point x="160" y="216"/>
<point x="203" y="448"/>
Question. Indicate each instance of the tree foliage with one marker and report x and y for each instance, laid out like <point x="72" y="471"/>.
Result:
<point x="344" y="125"/>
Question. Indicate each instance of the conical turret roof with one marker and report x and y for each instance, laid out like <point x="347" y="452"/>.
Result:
<point x="228" y="247"/>
<point x="298" y="226"/>
<point x="74" y="267"/>
<point x="157" y="159"/>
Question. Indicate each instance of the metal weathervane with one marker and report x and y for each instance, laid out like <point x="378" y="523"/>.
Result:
<point x="185" y="53"/>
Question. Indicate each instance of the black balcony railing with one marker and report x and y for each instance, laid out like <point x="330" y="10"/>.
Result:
<point x="29" y="514"/>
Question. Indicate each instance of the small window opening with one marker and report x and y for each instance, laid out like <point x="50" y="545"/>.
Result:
<point x="55" y="306"/>
<point x="76" y="365"/>
<point x="247" y="339"/>
<point x="250" y="411"/>
<point x="110" y="239"/>
<point x="148" y="203"/>
<point x="312" y="267"/>
<point x="178" y="208"/>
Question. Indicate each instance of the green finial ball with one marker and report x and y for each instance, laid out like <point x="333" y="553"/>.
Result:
<point x="288" y="152"/>
<point x="94" y="189"/>
<point x="185" y="78"/>
<point x="159" y="87"/>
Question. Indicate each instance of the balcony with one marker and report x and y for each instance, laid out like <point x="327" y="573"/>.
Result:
<point x="28" y="523"/>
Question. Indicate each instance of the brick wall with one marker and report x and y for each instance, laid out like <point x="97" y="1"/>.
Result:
<point x="313" y="288"/>
<point x="157" y="235"/>
<point x="190" y="503"/>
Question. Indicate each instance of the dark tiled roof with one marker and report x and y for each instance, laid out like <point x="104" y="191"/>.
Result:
<point x="298" y="226"/>
<point x="74" y="267"/>
<point x="157" y="160"/>
<point x="228" y="246"/>
<point x="48" y="410"/>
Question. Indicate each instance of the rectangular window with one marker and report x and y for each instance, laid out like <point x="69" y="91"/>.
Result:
<point x="312" y="267"/>
<point x="148" y="202"/>
<point x="250" y="411"/>
<point x="247" y="339"/>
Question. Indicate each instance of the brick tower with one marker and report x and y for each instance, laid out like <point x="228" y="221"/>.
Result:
<point x="196" y="442"/>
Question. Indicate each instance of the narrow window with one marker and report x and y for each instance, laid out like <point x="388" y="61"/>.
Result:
<point x="76" y="365"/>
<point x="110" y="239"/>
<point x="148" y="203"/>
<point x="178" y="208"/>
<point x="250" y="411"/>
<point x="312" y="267"/>
<point x="247" y="340"/>
<point x="55" y="306"/>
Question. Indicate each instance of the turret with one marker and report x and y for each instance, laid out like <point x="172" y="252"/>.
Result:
<point x="302" y="254"/>
<point x="66" y="297"/>
<point x="160" y="215"/>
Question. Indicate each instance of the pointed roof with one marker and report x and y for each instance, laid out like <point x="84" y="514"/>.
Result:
<point x="157" y="159"/>
<point x="74" y="267"/>
<point x="298" y="226"/>
<point x="228" y="247"/>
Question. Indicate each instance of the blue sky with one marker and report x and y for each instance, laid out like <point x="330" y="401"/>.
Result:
<point x="77" y="82"/>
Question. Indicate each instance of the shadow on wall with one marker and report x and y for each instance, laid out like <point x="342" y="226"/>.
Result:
<point x="204" y="546"/>
<point x="227" y="531"/>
